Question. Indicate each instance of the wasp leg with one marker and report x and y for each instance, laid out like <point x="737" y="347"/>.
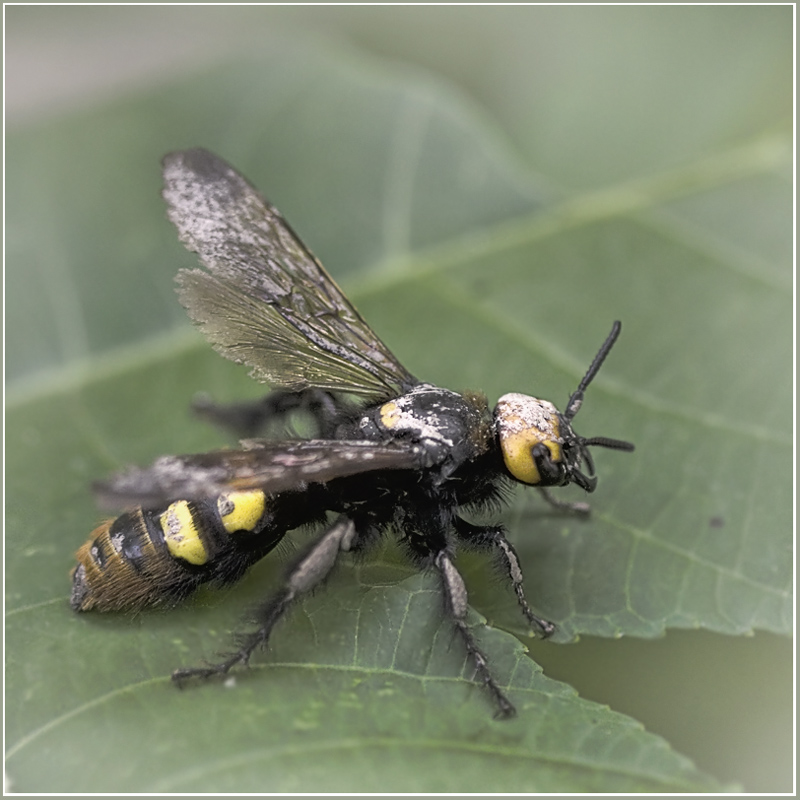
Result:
<point x="582" y="509"/>
<point x="306" y="574"/>
<point x="494" y="536"/>
<point x="455" y="593"/>
<point x="247" y="420"/>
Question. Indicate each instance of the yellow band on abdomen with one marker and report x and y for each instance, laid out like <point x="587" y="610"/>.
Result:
<point x="182" y="537"/>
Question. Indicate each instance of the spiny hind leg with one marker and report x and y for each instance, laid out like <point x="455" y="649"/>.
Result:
<point x="305" y="575"/>
<point x="455" y="595"/>
<point x="249" y="419"/>
<point x="493" y="536"/>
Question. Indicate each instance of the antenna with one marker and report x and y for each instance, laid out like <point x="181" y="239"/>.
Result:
<point x="576" y="399"/>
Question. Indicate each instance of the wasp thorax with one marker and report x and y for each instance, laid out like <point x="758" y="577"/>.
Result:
<point x="523" y="422"/>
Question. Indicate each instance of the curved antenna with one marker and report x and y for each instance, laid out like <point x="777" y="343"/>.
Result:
<point x="576" y="399"/>
<point x="604" y="441"/>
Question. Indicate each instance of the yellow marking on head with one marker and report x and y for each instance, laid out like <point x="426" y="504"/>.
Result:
<point x="518" y="458"/>
<point x="523" y="422"/>
<point x="182" y="537"/>
<point x="241" y="511"/>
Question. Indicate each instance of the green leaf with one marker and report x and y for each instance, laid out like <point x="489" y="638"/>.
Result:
<point x="346" y="700"/>
<point x="477" y="277"/>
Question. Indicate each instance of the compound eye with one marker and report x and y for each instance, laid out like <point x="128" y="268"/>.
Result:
<point x="528" y="430"/>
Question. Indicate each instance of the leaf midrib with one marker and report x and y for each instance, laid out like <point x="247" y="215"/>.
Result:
<point x="762" y="154"/>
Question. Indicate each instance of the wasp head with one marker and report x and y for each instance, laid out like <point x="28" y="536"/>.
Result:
<point x="539" y="445"/>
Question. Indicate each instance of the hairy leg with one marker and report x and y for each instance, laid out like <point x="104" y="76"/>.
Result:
<point x="581" y="509"/>
<point x="493" y="536"/>
<point x="248" y="419"/>
<point x="455" y="595"/>
<point x="304" y="576"/>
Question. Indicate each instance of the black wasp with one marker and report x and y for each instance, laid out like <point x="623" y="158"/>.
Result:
<point x="389" y="452"/>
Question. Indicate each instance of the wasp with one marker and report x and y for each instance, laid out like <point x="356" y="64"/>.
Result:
<point x="388" y="453"/>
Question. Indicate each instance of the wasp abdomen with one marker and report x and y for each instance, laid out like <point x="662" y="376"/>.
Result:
<point x="149" y="557"/>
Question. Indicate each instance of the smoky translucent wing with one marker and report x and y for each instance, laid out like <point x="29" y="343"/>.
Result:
<point x="266" y="301"/>
<point x="273" y="466"/>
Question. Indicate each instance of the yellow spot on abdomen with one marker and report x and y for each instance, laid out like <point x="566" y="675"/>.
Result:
<point x="182" y="537"/>
<point x="241" y="511"/>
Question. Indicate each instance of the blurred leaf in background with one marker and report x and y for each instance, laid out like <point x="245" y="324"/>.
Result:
<point x="492" y="187"/>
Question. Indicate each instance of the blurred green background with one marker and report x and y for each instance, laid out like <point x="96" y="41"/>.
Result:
<point x="586" y="108"/>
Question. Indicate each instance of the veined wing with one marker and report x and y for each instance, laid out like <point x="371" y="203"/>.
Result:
<point x="266" y="301"/>
<point x="272" y="466"/>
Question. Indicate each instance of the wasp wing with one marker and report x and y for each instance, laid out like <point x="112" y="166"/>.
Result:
<point x="266" y="301"/>
<point x="272" y="466"/>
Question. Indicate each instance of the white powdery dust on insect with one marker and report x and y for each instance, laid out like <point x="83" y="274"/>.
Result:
<point x="517" y="413"/>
